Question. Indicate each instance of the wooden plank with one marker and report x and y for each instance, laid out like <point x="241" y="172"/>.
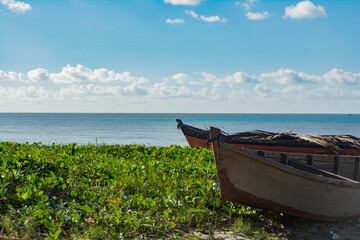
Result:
<point x="309" y="160"/>
<point x="283" y="158"/>
<point x="302" y="156"/>
<point x="357" y="169"/>
<point x="336" y="165"/>
<point x="345" y="167"/>
<point x="313" y="170"/>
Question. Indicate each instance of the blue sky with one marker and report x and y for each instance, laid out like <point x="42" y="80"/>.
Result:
<point x="246" y="56"/>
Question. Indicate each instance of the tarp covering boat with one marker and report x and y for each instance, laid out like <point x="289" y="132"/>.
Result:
<point x="278" y="142"/>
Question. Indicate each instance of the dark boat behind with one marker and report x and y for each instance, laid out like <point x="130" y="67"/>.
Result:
<point x="278" y="142"/>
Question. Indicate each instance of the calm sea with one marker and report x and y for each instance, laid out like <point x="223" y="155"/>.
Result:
<point x="159" y="129"/>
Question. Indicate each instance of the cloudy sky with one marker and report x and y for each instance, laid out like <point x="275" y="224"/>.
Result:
<point x="192" y="56"/>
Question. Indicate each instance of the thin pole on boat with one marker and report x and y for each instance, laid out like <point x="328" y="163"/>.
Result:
<point x="215" y="134"/>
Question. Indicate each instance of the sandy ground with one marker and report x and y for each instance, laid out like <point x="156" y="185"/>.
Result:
<point x="312" y="230"/>
<point x="346" y="230"/>
<point x="309" y="230"/>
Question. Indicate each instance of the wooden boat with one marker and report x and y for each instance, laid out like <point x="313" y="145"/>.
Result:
<point x="278" y="142"/>
<point x="284" y="185"/>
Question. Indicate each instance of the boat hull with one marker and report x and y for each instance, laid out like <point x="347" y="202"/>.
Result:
<point x="256" y="181"/>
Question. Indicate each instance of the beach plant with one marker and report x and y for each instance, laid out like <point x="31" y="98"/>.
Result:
<point x="109" y="191"/>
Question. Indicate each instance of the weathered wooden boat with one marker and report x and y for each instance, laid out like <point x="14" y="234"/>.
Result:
<point x="278" y="142"/>
<point x="284" y="185"/>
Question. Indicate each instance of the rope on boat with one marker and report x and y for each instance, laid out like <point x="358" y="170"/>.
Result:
<point x="211" y="140"/>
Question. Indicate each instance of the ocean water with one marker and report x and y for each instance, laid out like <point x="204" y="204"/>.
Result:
<point x="159" y="129"/>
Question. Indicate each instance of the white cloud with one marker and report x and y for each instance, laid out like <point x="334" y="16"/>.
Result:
<point x="71" y="74"/>
<point x="16" y="6"/>
<point x="181" y="78"/>
<point x="247" y="5"/>
<point x="38" y="75"/>
<point x="80" y="73"/>
<point x="334" y="77"/>
<point x="102" y="88"/>
<point x="262" y="89"/>
<point x="240" y="77"/>
<point x="209" y="19"/>
<point x="192" y="14"/>
<point x="304" y="9"/>
<point x="29" y="93"/>
<point x="213" y="19"/>
<point x="291" y="90"/>
<point x="175" y="21"/>
<point x="11" y="76"/>
<point x="218" y="91"/>
<point x="221" y="85"/>
<point x="289" y="76"/>
<point x="137" y="88"/>
<point x="340" y="77"/>
<point x="184" y="2"/>
<point x="76" y="91"/>
<point x="257" y="15"/>
<point x="163" y="91"/>
<point x="208" y="77"/>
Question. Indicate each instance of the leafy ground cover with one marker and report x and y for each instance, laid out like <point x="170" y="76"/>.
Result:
<point x="113" y="191"/>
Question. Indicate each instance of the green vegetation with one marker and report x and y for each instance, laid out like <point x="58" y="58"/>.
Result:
<point x="112" y="191"/>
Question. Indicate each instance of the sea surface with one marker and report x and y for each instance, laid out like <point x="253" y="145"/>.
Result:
<point x="159" y="129"/>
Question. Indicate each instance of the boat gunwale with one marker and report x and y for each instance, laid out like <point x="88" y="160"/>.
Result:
<point x="204" y="135"/>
